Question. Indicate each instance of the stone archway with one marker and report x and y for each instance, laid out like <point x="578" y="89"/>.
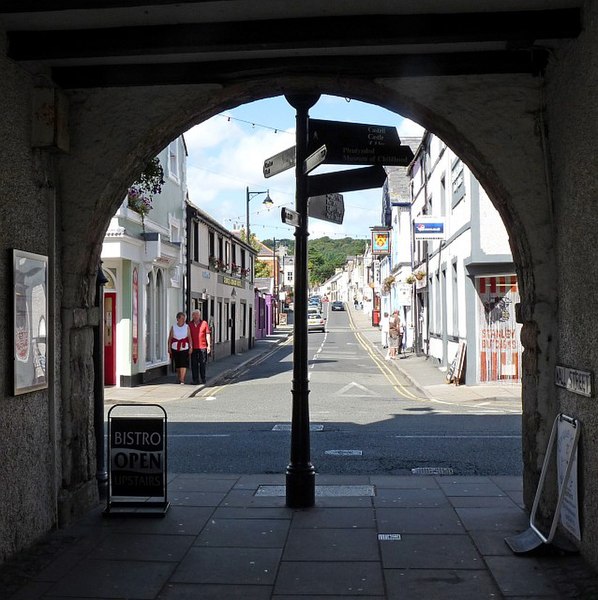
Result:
<point x="492" y="122"/>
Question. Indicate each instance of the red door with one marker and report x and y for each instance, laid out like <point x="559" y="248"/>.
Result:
<point x="109" y="338"/>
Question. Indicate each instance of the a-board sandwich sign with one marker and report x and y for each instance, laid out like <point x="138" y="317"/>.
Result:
<point x="137" y="461"/>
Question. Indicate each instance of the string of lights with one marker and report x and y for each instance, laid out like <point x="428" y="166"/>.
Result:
<point x="230" y="118"/>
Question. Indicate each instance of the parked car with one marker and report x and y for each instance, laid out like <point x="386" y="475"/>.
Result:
<point x="337" y="305"/>
<point x="316" y="322"/>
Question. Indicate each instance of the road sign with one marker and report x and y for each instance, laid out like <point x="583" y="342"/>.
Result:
<point x="358" y="143"/>
<point x="290" y="217"/>
<point x="279" y="162"/>
<point x="315" y="159"/>
<point x="328" y="207"/>
<point x="346" y="181"/>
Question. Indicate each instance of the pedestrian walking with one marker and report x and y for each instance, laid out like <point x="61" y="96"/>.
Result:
<point x="202" y="346"/>
<point x="394" y="332"/>
<point x="384" y="327"/>
<point x="180" y="346"/>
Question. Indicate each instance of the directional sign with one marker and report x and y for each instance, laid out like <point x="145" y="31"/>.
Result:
<point x="315" y="159"/>
<point x="279" y="162"/>
<point x="346" y="181"/>
<point x="358" y="144"/>
<point x="329" y="207"/>
<point x="290" y="217"/>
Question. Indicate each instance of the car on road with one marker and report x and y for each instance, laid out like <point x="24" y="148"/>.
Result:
<point x="316" y="322"/>
<point x="337" y="305"/>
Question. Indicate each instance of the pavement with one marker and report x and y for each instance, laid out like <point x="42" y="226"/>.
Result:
<point x="419" y="537"/>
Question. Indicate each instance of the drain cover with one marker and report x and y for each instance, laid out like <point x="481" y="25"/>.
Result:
<point x="432" y="471"/>
<point x="321" y="490"/>
<point x="344" y="452"/>
<point x="287" y="427"/>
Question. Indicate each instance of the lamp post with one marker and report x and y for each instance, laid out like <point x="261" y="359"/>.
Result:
<point x="267" y="202"/>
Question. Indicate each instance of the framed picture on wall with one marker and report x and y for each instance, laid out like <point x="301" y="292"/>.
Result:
<point x="30" y="321"/>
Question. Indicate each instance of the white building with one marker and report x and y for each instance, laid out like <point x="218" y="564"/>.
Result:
<point x="220" y="283"/>
<point x="144" y="262"/>
<point x="465" y="284"/>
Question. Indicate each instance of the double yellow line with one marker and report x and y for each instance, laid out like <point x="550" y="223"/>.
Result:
<point x="386" y="370"/>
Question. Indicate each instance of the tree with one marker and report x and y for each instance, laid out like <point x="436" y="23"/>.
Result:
<point x="262" y="269"/>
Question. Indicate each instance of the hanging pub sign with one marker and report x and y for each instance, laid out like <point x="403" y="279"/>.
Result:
<point x="426" y="227"/>
<point x="137" y="461"/>
<point x="380" y="240"/>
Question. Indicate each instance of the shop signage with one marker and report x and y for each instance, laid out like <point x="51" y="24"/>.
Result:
<point x="137" y="456"/>
<point x="231" y="281"/>
<point x="137" y="470"/>
<point x="380" y="241"/>
<point x="429" y="228"/>
<point x="574" y="380"/>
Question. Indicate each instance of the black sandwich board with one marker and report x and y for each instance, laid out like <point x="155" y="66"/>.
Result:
<point x="137" y="461"/>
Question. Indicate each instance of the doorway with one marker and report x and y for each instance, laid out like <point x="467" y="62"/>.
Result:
<point x="109" y="339"/>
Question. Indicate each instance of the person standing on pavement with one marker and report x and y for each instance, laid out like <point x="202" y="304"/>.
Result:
<point x="180" y="346"/>
<point x="384" y="327"/>
<point x="394" y="332"/>
<point x="202" y="346"/>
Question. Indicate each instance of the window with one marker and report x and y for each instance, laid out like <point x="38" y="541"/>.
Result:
<point x="149" y="287"/>
<point x="173" y="161"/>
<point x="220" y="248"/>
<point x="211" y="244"/>
<point x="220" y="321"/>
<point x="233" y="254"/>
<point x="158" y="320"/>
<point x="175" y="232"/>
<point x="457" y="182"/>
<point x="443" y="196"/>
<point x="455" y="295"/>
<point x="289" y="276"/>
<point x="242" y="258"/>
<point x="195" y="241"/>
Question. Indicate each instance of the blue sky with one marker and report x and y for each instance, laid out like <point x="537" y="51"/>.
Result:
<point x="227" y="154"/>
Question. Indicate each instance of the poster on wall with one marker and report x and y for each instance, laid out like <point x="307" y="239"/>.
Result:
<point x="30" y="321"/>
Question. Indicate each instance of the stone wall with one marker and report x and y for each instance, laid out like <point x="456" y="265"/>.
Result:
<point x="572" y="127"/>
<point x="29" y="425"/>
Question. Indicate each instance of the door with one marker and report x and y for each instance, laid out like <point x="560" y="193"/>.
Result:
<point x="109" y="338"/>
<point x="233" y="327"/>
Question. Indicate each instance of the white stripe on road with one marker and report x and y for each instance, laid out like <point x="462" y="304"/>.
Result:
<point x="461" y="437"/>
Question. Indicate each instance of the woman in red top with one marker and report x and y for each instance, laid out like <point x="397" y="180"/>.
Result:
<point x="180" y="346"/>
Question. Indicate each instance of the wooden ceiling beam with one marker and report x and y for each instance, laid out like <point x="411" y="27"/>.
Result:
<point x="222" y="72"/>
<point x="523" y="28"/>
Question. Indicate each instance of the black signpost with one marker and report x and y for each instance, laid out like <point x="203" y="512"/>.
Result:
<point x="320" y="142"/>
<point x="137" y="463"/>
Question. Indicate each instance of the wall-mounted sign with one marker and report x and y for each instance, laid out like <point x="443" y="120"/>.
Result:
<point x="574" y="380"/>
<point x="231" y="281"/>
<point x="429" y="228"/>
<point x="380" y="241"/>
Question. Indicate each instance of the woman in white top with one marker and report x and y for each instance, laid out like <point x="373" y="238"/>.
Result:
<point x="180" y="346"/>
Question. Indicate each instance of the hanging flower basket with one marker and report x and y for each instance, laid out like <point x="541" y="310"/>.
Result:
<point x="140" y="195"/>
<point x="419" y="275"/>
<point x="410" y="279"/>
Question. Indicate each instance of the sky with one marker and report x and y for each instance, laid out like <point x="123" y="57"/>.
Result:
<point x="226" y="155"/>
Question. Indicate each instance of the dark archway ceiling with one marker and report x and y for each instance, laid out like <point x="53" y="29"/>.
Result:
<point x="103" y="43"/>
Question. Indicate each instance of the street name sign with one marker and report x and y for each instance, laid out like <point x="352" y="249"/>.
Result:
<point x="358" y="143"/>
<point x="328" y="207"/>
<point x="574" y="380"/>
<point x="315" y="159"/>
<point x="290" y="217"/>
<point x="279" y="162"/>
<point x="346" y="181"/>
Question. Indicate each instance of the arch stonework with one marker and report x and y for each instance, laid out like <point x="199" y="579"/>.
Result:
<point x="530" y="142"/>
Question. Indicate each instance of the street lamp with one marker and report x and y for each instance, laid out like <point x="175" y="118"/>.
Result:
<point x="267" y="202"/>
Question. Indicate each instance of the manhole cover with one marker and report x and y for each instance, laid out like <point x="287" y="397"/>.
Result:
<point x="432" y="471"/>
<point x="321" y="490"/>
<point x="287" y="427"/>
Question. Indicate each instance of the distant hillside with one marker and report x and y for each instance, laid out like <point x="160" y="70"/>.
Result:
<point x="325" y="254"/>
